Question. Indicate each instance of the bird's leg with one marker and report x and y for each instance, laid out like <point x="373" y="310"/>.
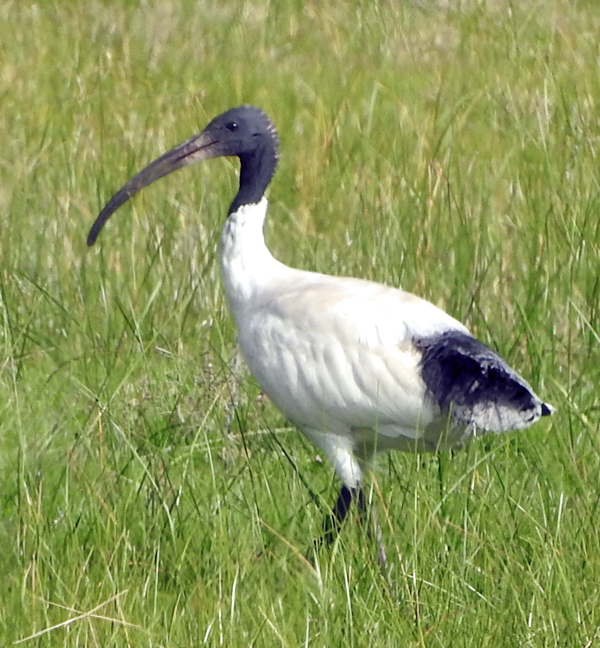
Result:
<point x="373" y="529"/>
<point x="377" y="534"/>
<point x="333" y="522"/>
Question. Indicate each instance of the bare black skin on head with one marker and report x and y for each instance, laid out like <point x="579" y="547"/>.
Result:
<point x="244" y="132"/>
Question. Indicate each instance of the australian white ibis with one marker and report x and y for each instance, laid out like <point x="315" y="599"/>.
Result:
<point x="357" y="366"/>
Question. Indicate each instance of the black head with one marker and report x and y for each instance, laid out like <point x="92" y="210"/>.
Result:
<point x="245" y="132"/>
<point x="249" y="134"/>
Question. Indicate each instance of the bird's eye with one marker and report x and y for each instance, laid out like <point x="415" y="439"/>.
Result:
<point x="231" y="127"/>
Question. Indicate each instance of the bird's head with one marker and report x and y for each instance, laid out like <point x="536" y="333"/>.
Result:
<point x="245" y="132"/>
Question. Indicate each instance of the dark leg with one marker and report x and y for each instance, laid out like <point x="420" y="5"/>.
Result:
<point x="333" y="522"/>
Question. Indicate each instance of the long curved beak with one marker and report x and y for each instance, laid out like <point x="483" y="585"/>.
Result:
<point x="202" y="146"/>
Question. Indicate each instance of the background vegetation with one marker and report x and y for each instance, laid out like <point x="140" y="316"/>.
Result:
<point x="150" y="496"/>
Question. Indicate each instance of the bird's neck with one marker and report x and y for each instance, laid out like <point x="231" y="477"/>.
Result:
<point x="246" y="263"/>
<point x="256" y="171"/>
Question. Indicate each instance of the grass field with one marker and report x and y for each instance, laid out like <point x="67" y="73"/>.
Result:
<point x="150" y="496"/>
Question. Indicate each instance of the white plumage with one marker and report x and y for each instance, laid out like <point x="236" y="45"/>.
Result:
<point x="334" y="354"/>
<point x="337" y="355"/>
<point x="359" y="367"/>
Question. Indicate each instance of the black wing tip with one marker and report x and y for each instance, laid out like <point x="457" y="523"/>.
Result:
<point x="476" y="385"/>
<point x="547" y="410"/>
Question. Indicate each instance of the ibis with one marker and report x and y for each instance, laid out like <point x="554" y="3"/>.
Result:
<point x="357" y="366"/>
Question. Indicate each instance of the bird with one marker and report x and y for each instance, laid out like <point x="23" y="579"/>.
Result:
<point x="357" y="366"/>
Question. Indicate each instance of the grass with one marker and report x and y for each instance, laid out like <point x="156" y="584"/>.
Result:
<point x="150" y="496"/>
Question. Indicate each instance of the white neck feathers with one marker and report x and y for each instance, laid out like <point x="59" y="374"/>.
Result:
<point x="246" y="263"/>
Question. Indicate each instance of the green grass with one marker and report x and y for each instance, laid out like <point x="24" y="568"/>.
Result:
<point x="149" y="496"/>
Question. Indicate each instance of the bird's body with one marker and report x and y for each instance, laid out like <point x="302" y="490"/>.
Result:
<point x="357" y="366"/>
<point x="341" y="357"/>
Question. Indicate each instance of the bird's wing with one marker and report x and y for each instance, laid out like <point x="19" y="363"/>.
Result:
<point x="472" y="382"/>
<point x="339" y="353"/>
